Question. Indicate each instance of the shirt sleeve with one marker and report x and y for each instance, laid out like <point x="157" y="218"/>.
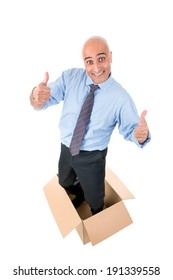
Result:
<point x="128" y="119"/>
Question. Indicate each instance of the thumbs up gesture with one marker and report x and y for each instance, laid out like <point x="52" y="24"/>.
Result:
<point x="141" y="130"/>
<point x="41" y="93"/>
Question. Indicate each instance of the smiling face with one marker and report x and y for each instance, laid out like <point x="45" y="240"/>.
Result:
<point x="97" y="59"/>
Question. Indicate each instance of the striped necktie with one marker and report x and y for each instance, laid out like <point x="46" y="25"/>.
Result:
<point x="82" y="122"/>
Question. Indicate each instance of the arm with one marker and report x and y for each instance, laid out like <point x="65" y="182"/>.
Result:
<point x="40" y="94"/>
<point x="131" y="126"/>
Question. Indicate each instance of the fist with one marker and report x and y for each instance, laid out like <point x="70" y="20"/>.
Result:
<point x="141" y="130"/>
<point x="41" y="93"/>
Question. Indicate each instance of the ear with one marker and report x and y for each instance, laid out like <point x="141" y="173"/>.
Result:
<point x="111" y="57"/>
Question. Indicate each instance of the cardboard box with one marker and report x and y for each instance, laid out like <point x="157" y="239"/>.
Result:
<point x="113" y="218"/>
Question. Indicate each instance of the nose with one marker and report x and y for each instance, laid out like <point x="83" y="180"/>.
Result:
<point x="96" y="67"/>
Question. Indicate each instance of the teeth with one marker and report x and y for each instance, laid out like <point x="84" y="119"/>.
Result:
<point x="98" y="74"/>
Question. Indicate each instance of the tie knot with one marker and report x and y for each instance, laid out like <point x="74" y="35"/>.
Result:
<point x="93" y="87"/>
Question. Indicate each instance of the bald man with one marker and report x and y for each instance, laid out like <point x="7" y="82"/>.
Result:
<point x="83" y="173"/>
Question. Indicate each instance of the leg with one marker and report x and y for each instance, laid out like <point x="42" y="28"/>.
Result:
<point x="90" y="169"/>
<point x="66" y="173"/>
<point x="67" y="176"/>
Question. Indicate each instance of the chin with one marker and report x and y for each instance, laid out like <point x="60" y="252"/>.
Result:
<point x="99" y="80"/>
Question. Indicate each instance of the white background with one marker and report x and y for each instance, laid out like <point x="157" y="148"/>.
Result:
<point x="38" y="36"/>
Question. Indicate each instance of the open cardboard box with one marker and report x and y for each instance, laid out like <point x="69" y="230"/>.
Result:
<point x="94" y="229"/>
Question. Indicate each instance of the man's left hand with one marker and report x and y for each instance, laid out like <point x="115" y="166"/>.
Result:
<point x="141" y="130"/>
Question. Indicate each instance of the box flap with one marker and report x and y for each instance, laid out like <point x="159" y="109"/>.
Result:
<point x="107" y="222"/>
<point x="117" y="185"/>
<point x="61" y="206"/>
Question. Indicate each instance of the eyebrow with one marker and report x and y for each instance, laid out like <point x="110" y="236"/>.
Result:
<point x="89" y="57"/>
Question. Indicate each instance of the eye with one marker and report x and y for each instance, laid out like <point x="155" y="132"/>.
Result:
<point x="90" y="62"/>
<point x="102" y="58"/>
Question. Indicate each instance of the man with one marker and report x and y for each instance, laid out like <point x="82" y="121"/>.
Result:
<point x="81" y="168"/>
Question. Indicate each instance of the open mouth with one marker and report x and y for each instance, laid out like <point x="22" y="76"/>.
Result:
<point x="98" y="74"/>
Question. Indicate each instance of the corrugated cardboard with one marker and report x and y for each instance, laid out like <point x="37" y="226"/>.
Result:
<point x="90" y="228"/>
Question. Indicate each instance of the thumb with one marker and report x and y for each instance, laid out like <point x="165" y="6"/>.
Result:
<point x="142" y="118"/>
<point x="46" y="78"/>
<point x="143" y="115"/>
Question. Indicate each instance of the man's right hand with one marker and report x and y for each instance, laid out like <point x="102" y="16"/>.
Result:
<point x="41" y="93"/>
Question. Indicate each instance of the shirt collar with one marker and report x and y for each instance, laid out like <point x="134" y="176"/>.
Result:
<point x="103" y="85"/>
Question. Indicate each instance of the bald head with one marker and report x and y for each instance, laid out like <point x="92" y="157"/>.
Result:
<point x="97" y="59"/>
<point x="94" y="41"/>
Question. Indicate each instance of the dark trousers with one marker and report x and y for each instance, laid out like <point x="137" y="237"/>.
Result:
<point x="89" y="168"/>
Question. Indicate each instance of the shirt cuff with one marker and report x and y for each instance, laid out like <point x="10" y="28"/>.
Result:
<point x="142" y="145"/>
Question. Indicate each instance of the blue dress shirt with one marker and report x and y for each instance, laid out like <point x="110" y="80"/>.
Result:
<point x="113" y="107"/>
